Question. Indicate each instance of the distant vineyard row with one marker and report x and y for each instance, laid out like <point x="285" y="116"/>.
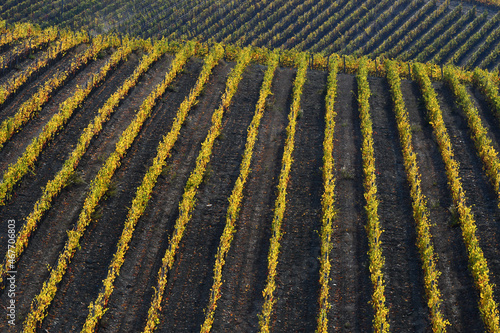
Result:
<point x="19" y="38"/>
<point x="427" y="31"/>
<point x="19" y="44"/>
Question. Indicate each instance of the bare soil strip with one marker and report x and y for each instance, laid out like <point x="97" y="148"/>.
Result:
<point x="402" y="270"/>
<point x="456" y="285"/>
<point x="14" y="147"/>
<point x="298" y="265"/>
<point x="350" y="284"/>
<point x="54" y="155"/>
<point x="129" y="303"/>
<point x="10" y="106"/>
<point x="480" y="194"/>
<point x="89" y="265"/>
<point x="246" y="263"/>
<point x="49" y="239"/>
<point x="191" y="278"/>
<point x="487" y="114"/>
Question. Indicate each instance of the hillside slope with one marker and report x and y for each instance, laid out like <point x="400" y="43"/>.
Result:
<point x="124" y="178"/>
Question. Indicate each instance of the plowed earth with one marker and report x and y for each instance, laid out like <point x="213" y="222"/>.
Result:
<point x="245" y="270"/>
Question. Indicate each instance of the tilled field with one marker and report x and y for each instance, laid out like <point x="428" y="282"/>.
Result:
<point x="464" y="33"/>
<point x="244" y="274"/>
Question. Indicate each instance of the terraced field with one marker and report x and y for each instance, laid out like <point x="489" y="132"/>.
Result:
<point x="168" y="186"/>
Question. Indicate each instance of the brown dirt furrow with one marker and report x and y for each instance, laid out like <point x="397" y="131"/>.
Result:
<point x="53" y="156"/>
<point x="487" y="114"/>
<point x="456" y="285"/>
<point x="16" y="55"/>
<point x="129" y="304"/>
<point x="298" y="266"/>
<point x="104" y="144"/>
<point x="90" y="264"/>
<point x="350" y="285"/>
<point x="10" y="106"/>
<point x="11" y="60"/>
<point x="50" y="236"/>
<point x="246" y="264"/>
<point x="402" y="270"/>
<point x="5" y="50"/>
<point x="192" y="275"/>
<point x="479" y="193"/>
<point x="19" y="141"/>
<point x="245" y="270"/>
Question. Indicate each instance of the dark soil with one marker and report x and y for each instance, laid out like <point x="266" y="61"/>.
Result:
<point x="23" y="93"/>
<point x="402" y="270"/>
<point x="487" y="115"/>
<point x="245" y="270"/>
<point x="246" y="264"/>
<point x="139" y="272"/>
<point x="298" y="265"/>
<point x="51" y="235"/>
<point x="54" y="155"/>
<point x="188" y="290"/>
<point x="456" y="285"/>
<point x="350" y="285"/>
<point x="29" y="86"/>
<point x="34" y="127"/>
<point x="99" y="243"/>
<point x="18" y="54"/>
